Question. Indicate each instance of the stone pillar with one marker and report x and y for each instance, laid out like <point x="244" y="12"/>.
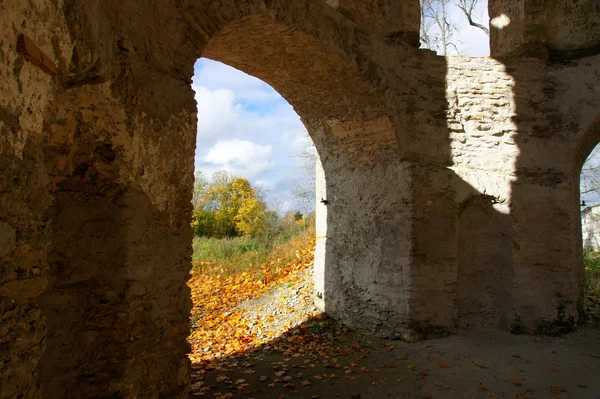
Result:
<point x="116" y="304"/>
<point x="26" y="90"/>
<point x="386" y="258"/>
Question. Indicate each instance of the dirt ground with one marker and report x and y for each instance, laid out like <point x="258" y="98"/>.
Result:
<point x="320" y="360"/>
<point x="317" y="358"/>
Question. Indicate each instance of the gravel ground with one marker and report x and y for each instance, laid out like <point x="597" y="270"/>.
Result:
<point x="281" y="308"/>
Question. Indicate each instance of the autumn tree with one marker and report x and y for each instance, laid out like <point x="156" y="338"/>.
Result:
<point x="228" y="206"/>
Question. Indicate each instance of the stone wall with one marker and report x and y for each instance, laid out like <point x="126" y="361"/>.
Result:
<point x="516" y="132"/>
<point x="451" y="184"/>
<point x="559" y="29"/>
<point x="24" y="197"/>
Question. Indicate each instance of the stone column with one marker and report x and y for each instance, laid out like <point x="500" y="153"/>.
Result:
<point x="386" y="251"/>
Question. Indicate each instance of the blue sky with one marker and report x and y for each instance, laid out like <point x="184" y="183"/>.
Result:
<point x="247" y="128"/>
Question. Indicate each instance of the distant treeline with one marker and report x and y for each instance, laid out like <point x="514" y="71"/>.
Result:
<point x="228" y="206"/>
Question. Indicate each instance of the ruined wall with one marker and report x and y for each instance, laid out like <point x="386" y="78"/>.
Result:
<point x="559" y="29"/>
<point x="118" y="256"/>
<point x="394" y="21"/>
<point x="119" y="252"/>
<point x="451" y="184"/>
<point x="516" y="130"/>
<point x="94" y="301"/>
<point x="24" y="200"/>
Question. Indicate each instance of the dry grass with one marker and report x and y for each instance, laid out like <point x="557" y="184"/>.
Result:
<point x="243" y="254"/>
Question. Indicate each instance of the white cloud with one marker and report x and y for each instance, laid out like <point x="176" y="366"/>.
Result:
<point x="265" y="185"/>
<point x="215" y="75"/>
<point x="242" y="158"/>
<point x="217" y="113"/>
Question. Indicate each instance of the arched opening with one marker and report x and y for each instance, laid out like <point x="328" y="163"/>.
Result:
<point x="588" y="166"/>
<point x="253" y="218"/>
<point x="343" y="115"/>
<point x="120" y="160"/>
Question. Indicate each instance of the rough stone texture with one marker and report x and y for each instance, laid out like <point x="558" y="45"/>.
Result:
<point x="24" y="198"/>
<point x="561" y="29"/>
<point x="451" y="184"/>
<point x="393" y="20"/>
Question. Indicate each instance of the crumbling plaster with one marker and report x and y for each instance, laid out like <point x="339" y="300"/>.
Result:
<point x="451" y="183"/>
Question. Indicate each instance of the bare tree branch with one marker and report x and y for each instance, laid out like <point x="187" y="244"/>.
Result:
<point x="438" y="31"/>
<point x="306" y="156"/>
<point x="590" y="175"/>
<point x="467" y="7"/>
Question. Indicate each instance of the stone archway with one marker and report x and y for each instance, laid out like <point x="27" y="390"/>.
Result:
<point x="119" y="160"/>
<point x="97" y="162"/>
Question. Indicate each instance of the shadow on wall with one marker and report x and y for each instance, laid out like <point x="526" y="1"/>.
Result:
<point x="555" y="98"/>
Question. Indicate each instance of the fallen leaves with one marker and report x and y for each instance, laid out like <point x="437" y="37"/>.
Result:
<point x="219" y="327"/>
<point x="558" y="389"/>
<point x="482" y="366"/>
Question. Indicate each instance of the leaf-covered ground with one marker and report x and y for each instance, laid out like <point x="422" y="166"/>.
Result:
<point x="257" y="335"/>
<point x="241" y="311"/>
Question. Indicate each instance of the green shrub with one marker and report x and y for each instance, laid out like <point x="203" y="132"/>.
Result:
<point x="591" y="262"/>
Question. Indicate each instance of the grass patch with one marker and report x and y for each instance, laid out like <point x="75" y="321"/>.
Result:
<point x="227" y="256"/>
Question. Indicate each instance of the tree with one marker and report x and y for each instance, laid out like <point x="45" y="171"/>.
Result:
<point x="439" y="32"/>
<point x="228" y="207"/>
<point x="307" y="158"/>
<point x="590" y="177"/>
<point x="200" y="184"/>
<point x="203" y="222"/>
<point x="468" y="8"/>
